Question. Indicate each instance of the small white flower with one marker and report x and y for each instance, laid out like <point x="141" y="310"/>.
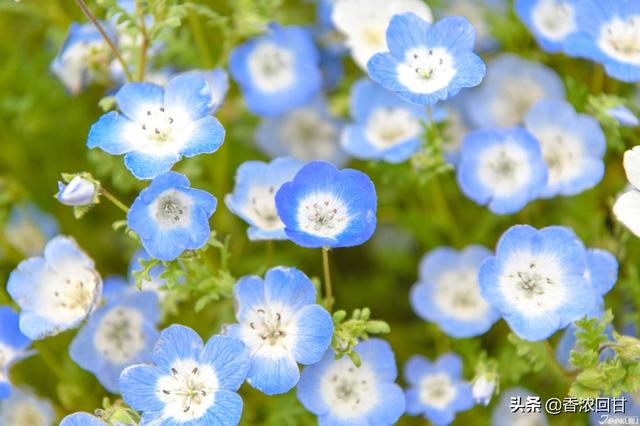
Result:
<point x="627" y="206"/>
<point x="78" y="192"/>
<point x="482" y="389"/>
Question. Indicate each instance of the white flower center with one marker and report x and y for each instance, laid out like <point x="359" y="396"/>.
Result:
<point x="458" y="295"/>
<point x="261" y="208"/>
<point x="504" y="168"/>
<point x="69" y="294"/>
<point x="271" y="67"/>
<point x="348" y="390"/>
<point x="119" y="336"/>
<point x="554" y="19"/>
<point x="390" y="126"/>
<point x="514" y="98"/>
<point x="309" y="135"/>
<point x="437" y="390"/>
<point x="323" y="215"/>
<point x="172" y="208"/>
<point x="562" y="152"/>
<point x="188" y="391"/>
<point x="426" y="70"/>
<point x="620" y="39"/>
<point x="24" y="413"/>
<point x="268" y="326"/>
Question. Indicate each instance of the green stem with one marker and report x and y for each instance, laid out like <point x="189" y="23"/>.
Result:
<point x="49" y="358"/>
<point x="142" y="59"/>
<point x="109" y="196"/>
<point x="269" y="251"/>
<point x="327" y="278"/>
<point x="597" y="79"/>
<point x="199" y="38"/>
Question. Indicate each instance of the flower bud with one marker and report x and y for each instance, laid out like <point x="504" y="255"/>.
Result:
<point x="482" y="389"/>
<point x="78" y="192"/>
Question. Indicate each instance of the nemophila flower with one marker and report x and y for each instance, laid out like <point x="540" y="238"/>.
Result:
<point x="456" y="128"/>
<point x="512" y="86"/>
<point x="624" y="116"/>
<point x="118" y="334"/>
<point x="478" y="14"/>
<point x="505" y="415"/>
<point x="28" y="229"/>
<point x="307" y="133"/>
<point x="218" y="81"/>
<point x="363" y="23"/>
<point x="573" y="147"/>
<point x="602" y="272"/>
<point x="609" y="33"/>
<point x="56" y="292"/>
<point x="282" y="325"/>
<point x="537" y="280"/>
<point x="427" y="63"/>
<point x="340" y="393"/>
<point x="157" y="126"/>
<point x="436" y="389"/>
<point x="13" y="347"/>
<point x="81" y="419"/>
<point x="253" y="197"/>
<point x="114" y="286"/>
<point x="277" y="71"/>
<point x="627" y="206"/>
<point x="78" y="192"/>
<point x="550" y="21"/>
<point x="188" y="383"/>
<point x="25" y="408"/>
<point x="448" y="294"/>
<point x="170" y="217"/>
<point x="326" y="207"/>
<point x="503" y="169"/>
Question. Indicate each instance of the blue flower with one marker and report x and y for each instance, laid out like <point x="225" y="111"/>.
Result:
<point x="436" y="390"/>
<point x="13" y="347"/>
<point x="28" y="229"/>
<point x="537" y="280"/>
<point x="81" y="419"/>
<point x="253" y="198"/>
<point x="340" y="393"/>
<point x="306" y="133"/>
<point x="504" y="415"/>
<point x="170" y="217"/>
<point x="218" y="81"/>
<point x="188" y="383"/>
<point x="550" y="21"/>
<point x="448" y="294"/>
<point x="573" y="147"/>
<point x="608" y="33"/>
<point x="385" y="127"/>
<point x="78" y="192"/>
<point x="512" y="86"/>
<point x="157" y="126"/>
<point x="281" y="325"/>
<point x="478" y="13"/>
<point x="56" y="292"/>
<point x="24" y="408"/>
<point x="427" y="63"/>
<point x="624" y="116"/>
<point x="114" y="286"/>
<point x="326" y="207"/>
<point x="602" y="270"/>
<point x="502" y="169"/>
<point x="118" y="334"/>
<point x="277" y="71"/>
<point x="457" y="126"/>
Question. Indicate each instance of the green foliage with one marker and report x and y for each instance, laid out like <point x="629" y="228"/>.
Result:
<point x="349" y="332"/>
<point x="429" y="161"/>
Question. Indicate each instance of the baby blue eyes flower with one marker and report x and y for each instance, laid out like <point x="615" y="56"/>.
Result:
<point x="478" y="12"/>
<point x="340" y="393"/>
<point x="436" y="390"/>
<point x="13" y="347"/>
<point x="218" y="81"/>
<point x="56" y="292"/>
<point x="503" y="169"/>
<point x="281" y="325"/>
<point x="538" y="280"/>
<point x="253" y="198"/>
<point x="118" y="334"/>
<point x="81" y="419"/>
<point x="277" y="71"/>
<point x="573" y="146"/>
<point x="188" y="383"/>
<point x="157" y="127"/>
<point x="427" y="63"/>
<point x="448" y="293"/>
<point x="503" y="415"/>
<point x="550" y="21"/>
<point x="326" y="207"/>
<point x="24" y="408"/>
<point x="170" y="217"/>
<point x="78" y="192"/>
<point x="28" y="229"/>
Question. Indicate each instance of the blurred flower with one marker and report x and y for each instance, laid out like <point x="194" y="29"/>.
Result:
<point x="627" y="206"/>
<point x="159" y="126"/>
<point x="478" y="13"/>
<point x="504" y="415"/>
<point x="186" y="382"/>
<point x="170" y="217"/>
<point x="502" y="169"/>
<point x="436" y="389"/>
<point x="81" y="419"/>
<point x="573" y="147"/>
<point x="512" y="86"/>
<point x="448" y="294"/>
<point x="602" y="272"/>
<point x="218" y="81"/>
<point x="624" y="116"/>
<point x="340" y="393"/>
<point x="118" y="334"/>
<point x="537" y="280"/>
<point x="281" y="325"/>
<point x="24" y="408"/>
<point x="550" y="21"/>
<point x="326" y="207"/>
<point x="78" y="192"/>
<point x="457" y="126"/>
<point x="427" y="63"/>
<point x="483" y="388"/>
<point x="277" y="71"/>
<point x="28" y="229"/>
<point x="55" y="292"/>
<point x="13" y="347"/>
<point x="253" y="197"/>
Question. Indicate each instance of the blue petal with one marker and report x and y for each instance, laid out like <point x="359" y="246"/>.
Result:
<point x="378" y="354"/>
<point x="135" y="99"/>
<point x="228" y="358"/>
<point x="81" y="419"/>
<point x="5" y="390"/>
<point x="206" y="137"/>
<point x="453" y="32"/>
<point x="273" y="373"/>
<point x="10" y="334"/>
<point x="144" y="165"/>
<point x="603" y="270"/>
<point x="416" y="368"/>
<point x="288" y="287"/>
<point x="226" y="410"/>
<point x="138" y="386"/>
<point x="25" y="281"/>
<point x="112" y="134"/>
<point x="451" y="363"/>
<point x="406" y="32"/>
<point x="249" y="295"/>
<point x="309" y="390"/>
<point x="176" y="342"/>
<point x="390" y="407"/>
<point x="190" y="93"/>
<point x="314" y="332"/>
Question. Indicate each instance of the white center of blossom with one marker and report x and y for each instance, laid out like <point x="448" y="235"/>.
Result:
<point x="390" y="126"/>
<point x="187" y="391"/>
<point x="261" y="208"/>
<point x="24" y="413"/>
<point x="514" y="98"/>
<point x="620" y="39"/>
<point x="158" y="125"/>
<point x="70" y="293"/>
<point x="554" y="19"/>
<point x="81" y="61"/>
<point x="348" y="390"/>
<point x="271" y="67"/>
<point x="159" y="131"/>
<point x="426" y="70"/>
<point x="322" y="215"/>
<point x="119" y="336"/>
<point x="309" y="135"/>
<point x="437" y="390"/>
<point x="562" y="152"/>
<point x="504" y="168"/>
<point x="172" y="208"/>
<point x="269" y="326"/>
<point x="458" y="295"/>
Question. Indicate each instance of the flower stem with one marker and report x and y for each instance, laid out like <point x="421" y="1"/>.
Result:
<point x="327" y="278"/>
<point x="142" y="59"/>
<point x="114" y="200"/>
<point x="49" y="358"/>
<point x="85" y="9"/>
